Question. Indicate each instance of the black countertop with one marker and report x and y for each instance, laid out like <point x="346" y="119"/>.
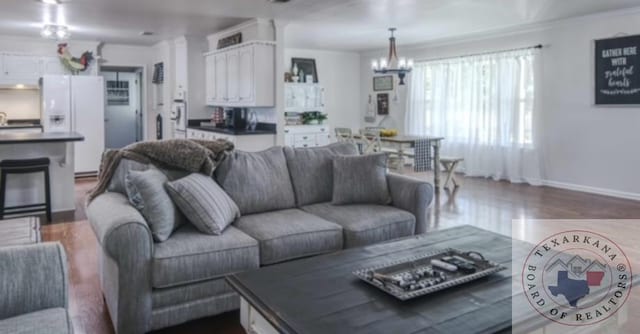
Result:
<point x="43" y="137"/>
<point x="20" y="126"/>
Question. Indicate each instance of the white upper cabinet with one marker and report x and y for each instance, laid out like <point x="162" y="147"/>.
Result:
<point x="27" y="69"/>
<point x="233" y="76"/>
<point x="220" y="69"/>
<point x="301" y="97"/>
<point x="20" y="69"/>
<point x="181" y="70"/>
<point x="210" y="65"/>
<point x="243" y="75"/>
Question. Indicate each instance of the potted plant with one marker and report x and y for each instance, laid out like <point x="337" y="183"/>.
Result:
<point x="313" y="118"/>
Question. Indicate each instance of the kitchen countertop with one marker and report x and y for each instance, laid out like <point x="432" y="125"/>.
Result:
<point x="43" y="137"/>
<point x="233" y="132"/>
<point x="19" y="126"/>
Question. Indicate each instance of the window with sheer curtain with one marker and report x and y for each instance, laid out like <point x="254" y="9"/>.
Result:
<point x="485" y="107"/>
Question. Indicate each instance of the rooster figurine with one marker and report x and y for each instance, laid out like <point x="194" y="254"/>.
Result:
<point x="74" y="64"/>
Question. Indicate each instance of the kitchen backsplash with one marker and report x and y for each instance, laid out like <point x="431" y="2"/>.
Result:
<point x="20" y="103"/>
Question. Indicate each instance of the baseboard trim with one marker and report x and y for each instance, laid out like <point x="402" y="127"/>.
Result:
<point x="592" y="190"/>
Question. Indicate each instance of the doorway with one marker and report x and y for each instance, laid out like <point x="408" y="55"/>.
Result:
<point x="123" y="110"/>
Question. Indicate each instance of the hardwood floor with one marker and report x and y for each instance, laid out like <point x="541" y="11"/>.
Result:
<point x="483" y="203"/>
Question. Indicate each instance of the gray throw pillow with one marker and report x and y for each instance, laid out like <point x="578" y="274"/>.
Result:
<point x="311" y="171"/>
<point x="204" y="203"/>
<point x="146" y="193"/>
<point x="257" y="181"/>
<point x="360" y="179"/>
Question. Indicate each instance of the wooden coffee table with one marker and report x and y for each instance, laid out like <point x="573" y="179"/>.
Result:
<point x="320" y="294"/>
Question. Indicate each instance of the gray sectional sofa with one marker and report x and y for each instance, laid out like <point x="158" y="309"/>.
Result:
<point x="34" y="288"/>
<point x="284" y="196"/>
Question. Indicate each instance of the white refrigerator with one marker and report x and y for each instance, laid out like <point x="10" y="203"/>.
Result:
<point x="76" y="104"/>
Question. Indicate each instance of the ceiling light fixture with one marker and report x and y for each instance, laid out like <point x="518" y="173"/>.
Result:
<point x="279" y="1"/>
<point x="56" y="31"/>
<point x="392" y="64"/>
<point x="50" y="2"/>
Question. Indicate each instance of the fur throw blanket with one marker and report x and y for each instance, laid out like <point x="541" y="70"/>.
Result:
<point x="195" y="156"/>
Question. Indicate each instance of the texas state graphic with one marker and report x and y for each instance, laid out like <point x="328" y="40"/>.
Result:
<point x="574" y="290"/>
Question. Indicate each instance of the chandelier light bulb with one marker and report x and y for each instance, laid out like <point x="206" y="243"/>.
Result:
<point x="402" y="63"/>
<point x="374" y="64"/>
<point x="383" y="64"/>
<point x="62" y="33"/>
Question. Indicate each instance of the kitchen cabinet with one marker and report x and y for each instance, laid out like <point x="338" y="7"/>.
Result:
<point x="20" y="69"/>
<point x="307" y="135"/>
<point x="181" y="69"/>
<point x="27" y="69"/>
<point x="248" y="143"/>
<point x="220" y="68"/>
<point x="302" y="97"/>
<point x="243" y="75"/>
<point x="210" y="66"/>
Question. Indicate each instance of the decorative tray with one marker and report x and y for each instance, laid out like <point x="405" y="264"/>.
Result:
<point x="427" y="273"/>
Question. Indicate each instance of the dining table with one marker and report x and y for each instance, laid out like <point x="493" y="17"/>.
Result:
<point x="400" y="143"/>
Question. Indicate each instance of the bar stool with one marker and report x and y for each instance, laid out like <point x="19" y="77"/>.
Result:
<point x="25" y="166"/>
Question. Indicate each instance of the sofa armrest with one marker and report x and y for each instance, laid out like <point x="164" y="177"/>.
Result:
<point x="412" y="195"/>
<point x="127" y="248"/>
<point x="32" y="278"/>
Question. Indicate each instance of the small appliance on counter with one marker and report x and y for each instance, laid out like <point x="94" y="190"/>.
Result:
<point x="235" y="118"/>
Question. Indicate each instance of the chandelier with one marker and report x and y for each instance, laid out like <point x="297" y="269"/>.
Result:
<point x="392" y="64"/>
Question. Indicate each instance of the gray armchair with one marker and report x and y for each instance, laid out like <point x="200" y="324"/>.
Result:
<point x="34" y="289"/>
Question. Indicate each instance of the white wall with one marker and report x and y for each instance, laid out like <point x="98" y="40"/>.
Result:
<point x="339" y="74"/>
<point x="584" y="147"/>
<point x="20" y="103"/>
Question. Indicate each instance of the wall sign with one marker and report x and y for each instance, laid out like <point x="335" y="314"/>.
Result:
<point x="383" y="104"/>
<point x="383" y="83"/>
<point x="617" y="74"/>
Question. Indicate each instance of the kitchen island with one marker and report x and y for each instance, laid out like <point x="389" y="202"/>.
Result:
<point x="29" y="188"/>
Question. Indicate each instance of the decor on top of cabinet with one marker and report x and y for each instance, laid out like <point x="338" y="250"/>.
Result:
<point x="383" y="83"/>
<point x="293" y="118"/>
<point x="306" y="66"/>
<point x="313" y="118"/>
<point x="229" y="41"/>
<point x="383" y="104"/>
<point x="73" y="64"/>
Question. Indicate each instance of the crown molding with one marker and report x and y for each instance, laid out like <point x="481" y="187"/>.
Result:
<point x="511" y="30"/>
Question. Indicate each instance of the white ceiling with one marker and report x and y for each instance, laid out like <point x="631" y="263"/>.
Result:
<point x="327" y="24"/>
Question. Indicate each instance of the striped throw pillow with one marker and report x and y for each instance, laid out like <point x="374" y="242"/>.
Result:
<point x="203" y="202"/>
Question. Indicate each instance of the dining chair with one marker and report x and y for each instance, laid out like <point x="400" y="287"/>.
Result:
<point x="370" y="141"/>
<point x="344" y="135"/>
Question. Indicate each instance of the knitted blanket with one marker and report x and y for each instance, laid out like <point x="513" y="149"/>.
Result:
<point x="195" y="156"/>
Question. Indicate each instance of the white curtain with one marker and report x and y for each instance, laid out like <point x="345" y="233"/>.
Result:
<point x="485" y="107"/>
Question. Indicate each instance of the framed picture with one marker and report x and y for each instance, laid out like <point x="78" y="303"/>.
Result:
<point x="616" y="81"/>
<point x="383" y="104"/>
<point x="383" y="83"/>
<point x="306" y="66"/>
<point x="229" y="41"/>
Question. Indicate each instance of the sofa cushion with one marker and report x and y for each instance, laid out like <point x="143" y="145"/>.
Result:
<point x="311" y="171"/>
<point x="146" y="193"/>
<point x="290" y="234"/>
<point x="360" y="179"/>
<point x="257" y="181"/>
<point x="204" y="203"/>
<point x="365" y="224"/>
<point x="47" y="321"/>
<point x="190" y="256"/>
